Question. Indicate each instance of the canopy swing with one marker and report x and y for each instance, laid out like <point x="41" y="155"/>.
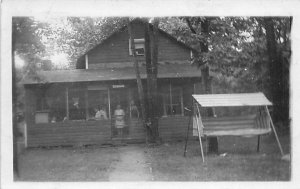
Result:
<point x="250" y="125"/>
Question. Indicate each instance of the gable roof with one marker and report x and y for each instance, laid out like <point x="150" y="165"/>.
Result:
<point x="137" y="20"/>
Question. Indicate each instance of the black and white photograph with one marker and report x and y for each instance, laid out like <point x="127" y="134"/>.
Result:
<point x="147" y="97"/>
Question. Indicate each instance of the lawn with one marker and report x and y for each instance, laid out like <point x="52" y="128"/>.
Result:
<point x="237" y="161"/>
<point x="67" y="164"/>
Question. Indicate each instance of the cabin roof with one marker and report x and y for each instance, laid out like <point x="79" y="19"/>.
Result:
<point x="236" y="99"/>
<point x="110" y="74"/>
<point x="138" y="20"/>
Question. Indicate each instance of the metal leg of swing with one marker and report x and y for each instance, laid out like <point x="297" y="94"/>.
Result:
<point x="187" y="137"/>
<point x="258" y="143"/>
<point x="202" y="154"/>
<point x="200" y="142"/>
<point x="274" y="130"/>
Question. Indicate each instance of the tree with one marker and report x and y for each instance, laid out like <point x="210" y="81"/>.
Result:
<point x="26" y="43"/>
<point x="138" y="77"/>
<point x="204" y="66"/>
<point x="79" y="34"/>
<point x="150" y="103"/>
<point x="151" y="57"/>
<point x="276" y="66"/>
<point x="238" y="53"/>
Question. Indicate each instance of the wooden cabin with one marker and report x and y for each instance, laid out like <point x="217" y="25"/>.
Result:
<point x="60" y="104"/>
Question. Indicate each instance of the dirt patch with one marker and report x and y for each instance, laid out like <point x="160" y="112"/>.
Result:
<point x="132" y="165"/>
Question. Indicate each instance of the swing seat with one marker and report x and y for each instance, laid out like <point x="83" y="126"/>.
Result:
<point x="249" y="125"/>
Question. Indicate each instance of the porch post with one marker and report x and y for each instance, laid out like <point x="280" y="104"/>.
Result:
<point x="109" y="107"/>
<point x="67" y="102"/>
<point x="86" y="62"/>
<point x="129" y="99"/>
<point x="199" y="131"/>
<point x="171" y="105"/>
<point x="86" y="104"/>
<point x="181" y="103"/>
<point x="25" y="134"/>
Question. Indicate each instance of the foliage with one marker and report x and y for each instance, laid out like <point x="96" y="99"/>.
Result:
<point x="79" y="34"/>
<point x="26" y="41"/>
<point x="26" y="44"/>
<point x="237" y="50"/>
<point x="278" y="71"/>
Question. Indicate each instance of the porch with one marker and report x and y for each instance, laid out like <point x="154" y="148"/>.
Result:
<point x="64" y="114"/>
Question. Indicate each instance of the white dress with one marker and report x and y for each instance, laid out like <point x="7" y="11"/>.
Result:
<point x="120" y="122"/>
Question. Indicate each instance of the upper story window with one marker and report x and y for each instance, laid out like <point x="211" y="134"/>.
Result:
<point x="139" y="45"/>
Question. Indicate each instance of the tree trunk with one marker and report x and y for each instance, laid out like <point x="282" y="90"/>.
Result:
<point x="138" y="77"/>
<point x="148" y="67"/>
<point x="206" y="83"/>
<point x="275" y="68"/>
<point x="151" y="56"/>
<point x="14" y="104"/>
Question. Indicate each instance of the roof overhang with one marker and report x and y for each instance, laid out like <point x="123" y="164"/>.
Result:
<point x="110" y="74"/>
<point x="237" y="99"/>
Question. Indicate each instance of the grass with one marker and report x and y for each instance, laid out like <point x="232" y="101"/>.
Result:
<point x="239" y="162"/>
<point x="67" y="164"/>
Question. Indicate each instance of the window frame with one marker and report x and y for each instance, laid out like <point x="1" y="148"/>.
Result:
<point x="138" y="44"/>
<point x="170" y="95"/>
<point x="44" y="109"/>
<point x="69" y="101"/>
<point x="99" y="89"/>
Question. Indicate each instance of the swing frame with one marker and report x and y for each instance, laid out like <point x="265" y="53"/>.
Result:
<point x="231" y="100"/>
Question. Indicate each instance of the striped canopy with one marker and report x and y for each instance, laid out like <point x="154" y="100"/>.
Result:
<point x="237" y="99"/>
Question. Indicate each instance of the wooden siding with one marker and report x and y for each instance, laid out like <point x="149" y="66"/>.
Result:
<point x="70" y="133"/>
<point x="136" y="130"/>
<point x="116" y="48"/>
<point x="30" y="104"/>
<point x="99" y="132"/>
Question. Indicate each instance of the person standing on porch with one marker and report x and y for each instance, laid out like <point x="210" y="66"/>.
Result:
<point x="120" y="120"/>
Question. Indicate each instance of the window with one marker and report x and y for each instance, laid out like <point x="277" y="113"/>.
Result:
<point x="173" y="101"/>
<point x="98" y="102"/>
<point x="139" y="45"/>
<point x="50" y="105"/>
<point x="77" y="105"/>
